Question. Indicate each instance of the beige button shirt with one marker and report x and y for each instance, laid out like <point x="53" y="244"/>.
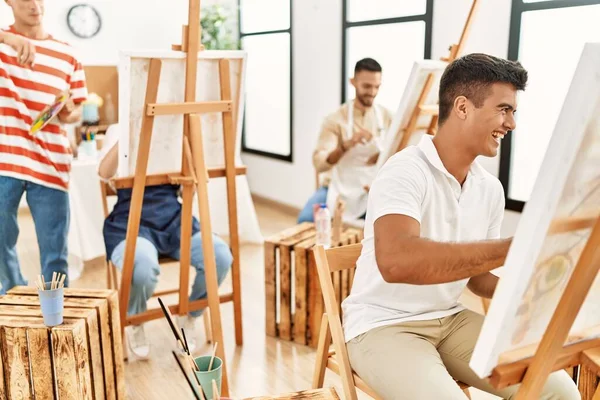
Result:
<point x="335" y="125"/>
<point x="351" y="173"/>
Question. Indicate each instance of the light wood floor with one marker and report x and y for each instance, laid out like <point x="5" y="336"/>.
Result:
<point x="263" y="365"/>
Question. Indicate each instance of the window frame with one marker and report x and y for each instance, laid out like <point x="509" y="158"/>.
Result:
<point x="346" y="25"/>
<point x="518" y="8"/>
<point x="289" y="158"/>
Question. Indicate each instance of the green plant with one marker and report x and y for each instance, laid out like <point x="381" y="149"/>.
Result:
<point x="217" y="29"/>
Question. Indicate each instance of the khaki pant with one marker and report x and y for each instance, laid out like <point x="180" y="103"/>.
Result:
<point x="420" y="360"/>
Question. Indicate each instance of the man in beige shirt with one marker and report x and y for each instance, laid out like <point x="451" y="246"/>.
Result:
<point x="348" y="146"/>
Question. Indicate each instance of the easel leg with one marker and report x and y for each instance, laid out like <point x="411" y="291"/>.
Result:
<point x="185" y="248"/>
<point x="229" y="145"/>
<point x="210" y="268"/>
<point x="137" y="197"/>
<point x="574" y="295"/>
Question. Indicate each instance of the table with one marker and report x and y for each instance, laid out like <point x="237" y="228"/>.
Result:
<point x="294" y="301"/>
<point x="80" y="359"/>
<point x="85" y="240"/>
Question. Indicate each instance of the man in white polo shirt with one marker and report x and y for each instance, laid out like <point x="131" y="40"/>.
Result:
<point x="432" y="229"/>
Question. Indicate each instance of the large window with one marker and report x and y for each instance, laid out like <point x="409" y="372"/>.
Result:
<point x="547" y="37"/>
<point x="266" y="34"/>
<point x="393" y="32"/>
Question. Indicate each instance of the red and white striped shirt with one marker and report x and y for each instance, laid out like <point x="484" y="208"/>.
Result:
<point x="44" y="158"/>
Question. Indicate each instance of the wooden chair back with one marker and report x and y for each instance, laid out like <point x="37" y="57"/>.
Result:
<point x="339" y="260"/>
<point x="330" y="262"/>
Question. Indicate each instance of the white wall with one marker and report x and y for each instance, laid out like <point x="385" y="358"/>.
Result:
<point x="126" y="24"/>
<point x="317" y="69"/>
<point x="317" y="65"/>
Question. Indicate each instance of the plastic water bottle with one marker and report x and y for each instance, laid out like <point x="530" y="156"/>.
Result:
<point x="323" y="226"/>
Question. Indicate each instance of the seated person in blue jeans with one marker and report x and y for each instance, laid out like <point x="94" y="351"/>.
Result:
<point x="159" y="235"/>
<point x="347" y="150"/>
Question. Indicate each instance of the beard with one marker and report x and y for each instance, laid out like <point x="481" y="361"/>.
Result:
<point x="366" y="101"/>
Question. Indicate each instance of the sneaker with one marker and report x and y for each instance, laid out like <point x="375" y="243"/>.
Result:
<point x="188" y="323"/>
<point x="138" y="344"/>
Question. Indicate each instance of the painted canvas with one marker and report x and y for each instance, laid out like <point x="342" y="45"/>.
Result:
<point x="167" y="135"/>
<point x="552" y="232"/>
<point x="414" y="86"/>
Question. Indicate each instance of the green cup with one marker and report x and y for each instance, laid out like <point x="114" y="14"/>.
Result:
<point x="206" y="377"/>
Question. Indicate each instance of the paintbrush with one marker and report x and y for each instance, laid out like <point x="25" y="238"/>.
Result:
<point x="213" y="356"/>
<point x="215" y="388"/>
<point x="61" y="283"/>
<point x="172" y="324"/>
<point x="197" y="395"/>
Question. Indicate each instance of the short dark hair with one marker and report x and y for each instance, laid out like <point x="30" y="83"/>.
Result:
<point x="367" y="64"/>
<point x="473" y="75"/>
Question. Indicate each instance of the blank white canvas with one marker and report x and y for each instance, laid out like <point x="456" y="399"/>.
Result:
<point x="414" y="86"/>
<point x="538" y="265"/>
<point x="167" y="135"/>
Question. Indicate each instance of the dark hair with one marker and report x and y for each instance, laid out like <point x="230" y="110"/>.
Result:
<point x="367" y="64"/>
<point x="473" y="75"/>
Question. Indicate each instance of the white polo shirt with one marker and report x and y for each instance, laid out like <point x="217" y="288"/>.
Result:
<point x="414" y="182"/>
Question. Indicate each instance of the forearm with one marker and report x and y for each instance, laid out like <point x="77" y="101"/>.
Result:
<point x="3" y="36"/>
<point x="108" y="165"/>
<point x="483" y="285"/>
<point x="320" y="161"/>
<point x="335" y="155"/>
<point x="420" y="261"/>
<point x="73" y="117"/>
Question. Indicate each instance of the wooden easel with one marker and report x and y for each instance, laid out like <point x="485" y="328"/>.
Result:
<point x="551" y="354"/>
<point x="194" y="176"/>
<point x="423" y="109"/>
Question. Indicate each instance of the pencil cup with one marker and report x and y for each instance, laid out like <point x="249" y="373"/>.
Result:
<point x="52" y="304"/>
<point x="206" y="377"/>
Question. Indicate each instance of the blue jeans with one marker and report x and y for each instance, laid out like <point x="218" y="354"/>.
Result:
<point x="146" y="269"/>
<point x="51" y="216"/>
<point x="320" y="196"/>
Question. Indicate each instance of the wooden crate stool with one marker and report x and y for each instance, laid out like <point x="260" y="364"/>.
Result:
<point x="80" y="359"/>
<point x="331" y="263"/>
<point x="289" y="257"/>
<point x="315" y="394"/>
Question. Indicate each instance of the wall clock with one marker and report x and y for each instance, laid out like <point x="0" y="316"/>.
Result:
<point x="84" y="21"/>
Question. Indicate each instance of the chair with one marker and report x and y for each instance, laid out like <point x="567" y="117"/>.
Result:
<point x="111" y="270"/>
<point x="339" y="260"/>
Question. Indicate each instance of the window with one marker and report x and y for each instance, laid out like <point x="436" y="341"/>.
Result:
<point x="265" y="33"/>
<point x="395" y="33"/>
<point x="547" y="37"/>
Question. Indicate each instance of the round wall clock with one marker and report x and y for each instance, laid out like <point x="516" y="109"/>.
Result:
<point x="84" y="21"/>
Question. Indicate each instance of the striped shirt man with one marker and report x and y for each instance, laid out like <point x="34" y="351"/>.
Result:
<point x="43" y="158"/>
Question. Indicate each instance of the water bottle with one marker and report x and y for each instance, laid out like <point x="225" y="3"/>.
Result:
<point x="323" y="226"/>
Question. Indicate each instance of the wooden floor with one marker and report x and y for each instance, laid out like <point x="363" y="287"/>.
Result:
<point x="261" y="366"/>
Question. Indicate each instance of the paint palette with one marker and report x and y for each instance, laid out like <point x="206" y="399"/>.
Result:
<point x="49" y="113"/>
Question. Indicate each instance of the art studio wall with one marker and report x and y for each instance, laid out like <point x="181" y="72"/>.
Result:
<point x="127" y="24"/>
<point x="317" y="66"/>
<point x="317" y="74"/>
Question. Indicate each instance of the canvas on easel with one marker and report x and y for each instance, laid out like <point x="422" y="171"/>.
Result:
<point x="420" y="96"/>
<point x="165" y="150"/>
<point x="554" y="243"/>
<point x="417" y="113"/>
<point x="165" y="153"/>
<point x="180" y="135"/>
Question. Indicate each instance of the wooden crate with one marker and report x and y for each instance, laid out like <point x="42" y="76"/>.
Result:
<point x="289" y="257"/>
<point x="80" y="359"/>
<point x="314" y="394"/>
